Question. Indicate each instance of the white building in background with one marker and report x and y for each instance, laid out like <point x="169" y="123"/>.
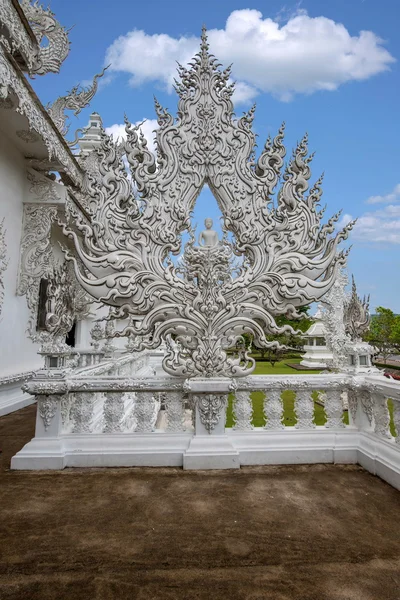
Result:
<point x="317" y="355"/>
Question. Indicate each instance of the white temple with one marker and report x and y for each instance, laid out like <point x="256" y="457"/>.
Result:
<point x="80" y="243"/>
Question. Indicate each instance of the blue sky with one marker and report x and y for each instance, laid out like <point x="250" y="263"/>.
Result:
<point x="327" y="67"/>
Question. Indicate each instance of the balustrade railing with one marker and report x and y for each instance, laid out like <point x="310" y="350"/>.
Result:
<point x="117" y="412"/>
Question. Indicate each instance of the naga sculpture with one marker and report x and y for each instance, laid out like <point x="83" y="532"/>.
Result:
<point x="44" y="24"/>
<point x="287" y="257"/>
<point x="75" y="100"/>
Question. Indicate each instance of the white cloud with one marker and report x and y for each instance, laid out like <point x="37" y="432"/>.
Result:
<point x="148" y="126"/>
<point x="381" y="225"/>
<point x="301" y="56"/>
<point x="243" y="93"/>
<point x="393" y="196"/>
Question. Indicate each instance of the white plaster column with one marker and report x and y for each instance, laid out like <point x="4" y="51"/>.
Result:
<point x="210" y="447"/>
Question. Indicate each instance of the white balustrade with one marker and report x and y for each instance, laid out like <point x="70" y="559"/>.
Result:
<point x="147" y="420"/>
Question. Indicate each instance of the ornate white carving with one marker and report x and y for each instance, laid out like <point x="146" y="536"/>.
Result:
<point x="109" y="334"/>
<point x="14" y="377"/>
<point x="75" y="100"/>
<point x="243" y="411"/>
<point x="352" y="400"/>
<point x="333" y="317"/>
<point x="114" y="412"/>
<point x="45" y="26"/>
<point x="210" y="408"/>
<point x="334" y="409"/>
<point x="356" y="314"/>
<point x="273" y="410"/>
<point x="47" y="407"/>
<point x="304" y="409"/>
<point x="97" y="333"/>
<point x="381" y="416"/>
<point x="3" y="261"/>
<point x="66" y="302"/>
<point x="81" y="412"/>
<point x="290" y="259"/>
<point x="146" y="410"/>
<point x="19" y="39"/>
<point x="44" y="189"/>
<point x="13" y="80"/>
<point x="175" y="411"/>
<point x="36" y="257"/>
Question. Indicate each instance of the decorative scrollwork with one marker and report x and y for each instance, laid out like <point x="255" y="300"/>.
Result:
<point x="47" y="407"/>
<point x="210" y="407"/>
<point x="288" y="258"/>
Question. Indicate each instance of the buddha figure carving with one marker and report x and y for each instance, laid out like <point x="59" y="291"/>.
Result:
<point x="208" y="238"/>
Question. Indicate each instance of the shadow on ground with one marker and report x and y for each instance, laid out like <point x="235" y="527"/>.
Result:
<point x="320" y="532"/>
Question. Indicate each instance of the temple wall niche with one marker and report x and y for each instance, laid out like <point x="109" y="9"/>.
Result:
<point x="17" y="352"/>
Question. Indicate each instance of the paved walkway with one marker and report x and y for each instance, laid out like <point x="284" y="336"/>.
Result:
<point x="279" y="533"/>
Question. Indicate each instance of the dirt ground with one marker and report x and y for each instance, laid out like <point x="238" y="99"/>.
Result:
<point x="319" y="532"/>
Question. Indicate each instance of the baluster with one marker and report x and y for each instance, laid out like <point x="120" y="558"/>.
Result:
<point x="304" y="409"/>
<point x="82" y="412"/>
<point x="243" y="411"/>
<point x="273" y="410"/>
<point x="396" y="419"/>
<point x="146" y="410"/>
<point x="381" y="416"/>
<point x="175" y="411"/>
<point x="129" y="423"/>
<point x="334" y="409"/>
<point x="113" y="411"/>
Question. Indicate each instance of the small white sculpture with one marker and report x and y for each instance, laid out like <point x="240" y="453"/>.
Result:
<point x="208" y="237"/>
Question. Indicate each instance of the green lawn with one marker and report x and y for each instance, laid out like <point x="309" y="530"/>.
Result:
<point x="289" y="417"/>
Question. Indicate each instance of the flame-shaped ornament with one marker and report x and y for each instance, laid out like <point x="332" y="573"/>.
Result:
<point x="289" y="258"/>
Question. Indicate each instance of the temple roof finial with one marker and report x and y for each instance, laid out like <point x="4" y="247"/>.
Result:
<point x="204" y="41"/>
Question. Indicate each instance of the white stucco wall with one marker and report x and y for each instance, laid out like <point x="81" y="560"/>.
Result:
<point x="17" y="352"/>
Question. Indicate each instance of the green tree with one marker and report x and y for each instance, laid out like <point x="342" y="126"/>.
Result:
<point x="384" y="332"/>
<point x="294" y="342"/>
